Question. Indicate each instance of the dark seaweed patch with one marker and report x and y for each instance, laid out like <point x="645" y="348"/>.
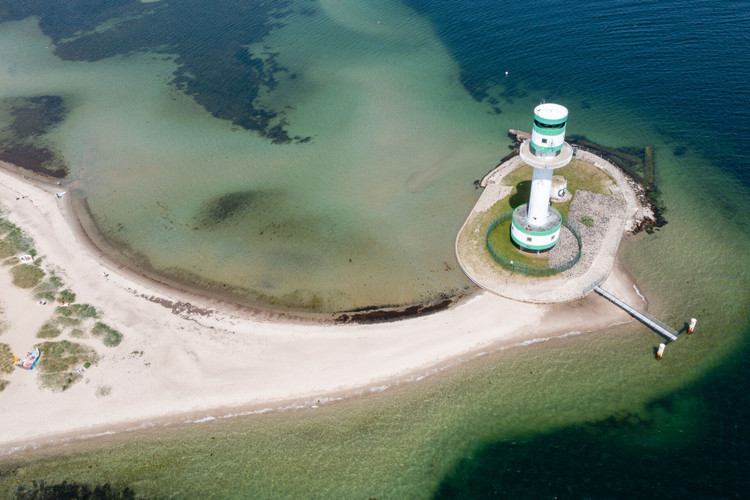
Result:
<point x="208" y="40"/>
<point x="29" y="118"/>
<point x="72" y="490"/>
<point x="35" y="116"/>
<point x="225" y="208"/>
<point x="39" y="160"/>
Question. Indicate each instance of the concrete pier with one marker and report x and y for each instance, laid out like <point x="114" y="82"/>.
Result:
<point x="662" y="329"/>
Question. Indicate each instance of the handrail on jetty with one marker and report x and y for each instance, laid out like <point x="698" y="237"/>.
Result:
<point x="662" y="329"/>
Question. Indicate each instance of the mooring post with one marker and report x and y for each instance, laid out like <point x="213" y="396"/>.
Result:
<point x="693" y="321"/>
<point x="660" y="352"/>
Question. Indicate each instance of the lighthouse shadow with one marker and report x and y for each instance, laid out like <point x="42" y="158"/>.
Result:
<point x="521" y="196"/>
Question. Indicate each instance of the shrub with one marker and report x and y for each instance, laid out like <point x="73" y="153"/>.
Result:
<point x="25" y="276"/>
<point x="110" y="336"/>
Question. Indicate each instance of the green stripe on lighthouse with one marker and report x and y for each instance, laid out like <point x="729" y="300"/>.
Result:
<point x="550" y="121"/>
<point x="549" y="131"/>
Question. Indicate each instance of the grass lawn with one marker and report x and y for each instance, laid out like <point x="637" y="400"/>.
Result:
<point x="579" y="174"/>
<point x="500" y="240"/>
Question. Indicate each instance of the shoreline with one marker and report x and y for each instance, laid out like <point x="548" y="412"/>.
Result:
<point x="211" y="356"/>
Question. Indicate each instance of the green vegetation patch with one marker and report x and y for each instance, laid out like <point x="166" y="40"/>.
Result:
<point x="49" y="330"/>
<point x="25" y="276"/>
<point x="5" y="224"/>
<point x="110" y="336"/>
<point x="12" y="261"/>
<point x="66" y="296"/>
<point x="67" y="322"/>
<point x="103" y="391"/>
<point x="587" y="220"/>
<point x="81" y="311"/>
<point x="77" y="333"/>
<point x="48" y="288"/>
<point x="58" y="360"/>
<point x="6" y="359"/>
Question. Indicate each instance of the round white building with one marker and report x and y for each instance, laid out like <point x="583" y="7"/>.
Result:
<point x="536" y="226"/>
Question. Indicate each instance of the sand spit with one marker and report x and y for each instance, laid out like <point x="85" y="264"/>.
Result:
<point x="202" y="357"/>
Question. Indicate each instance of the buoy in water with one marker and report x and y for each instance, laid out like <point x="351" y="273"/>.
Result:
<point x="693" y="321"/>
<point x="660" y="352"/>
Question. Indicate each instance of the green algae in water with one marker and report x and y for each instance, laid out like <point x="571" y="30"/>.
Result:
<point x="405" y="441"/>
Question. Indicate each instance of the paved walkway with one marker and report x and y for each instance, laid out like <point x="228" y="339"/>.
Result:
<point x="572" y="284"/>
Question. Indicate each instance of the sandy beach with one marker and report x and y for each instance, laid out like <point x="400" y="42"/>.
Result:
<point x="211" y="359"/>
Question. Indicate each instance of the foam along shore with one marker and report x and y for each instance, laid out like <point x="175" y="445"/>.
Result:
<point x="209" y="357"/>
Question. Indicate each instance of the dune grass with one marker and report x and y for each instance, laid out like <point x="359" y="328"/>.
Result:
<point x="66" y="296"/>
<point x="26" y="276"/>
<point x="48" y="288"/>
<point x="48" y="330"/>
<point x="110" y="337"/>
<point x="13" y="239"/>
<point x="80" y="311"/>
<point x="6" y="359"/>
<point x="58" y="361"/>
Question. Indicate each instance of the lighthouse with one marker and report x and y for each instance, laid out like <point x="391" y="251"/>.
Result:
<point x="536" y="225"/>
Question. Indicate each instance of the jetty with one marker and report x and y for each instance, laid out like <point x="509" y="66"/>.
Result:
<point x="662" y="329"/>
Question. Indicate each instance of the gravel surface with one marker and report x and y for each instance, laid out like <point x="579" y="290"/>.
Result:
<point x="605" y="210"/>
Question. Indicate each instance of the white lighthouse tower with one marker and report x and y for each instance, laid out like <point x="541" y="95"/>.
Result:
<point x="536" y="225"/>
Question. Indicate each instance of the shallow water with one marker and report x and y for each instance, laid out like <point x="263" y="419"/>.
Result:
<point x="385" y="91"/>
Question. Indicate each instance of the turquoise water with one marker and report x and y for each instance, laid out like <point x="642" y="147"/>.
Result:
<point x="406" y="103"/>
